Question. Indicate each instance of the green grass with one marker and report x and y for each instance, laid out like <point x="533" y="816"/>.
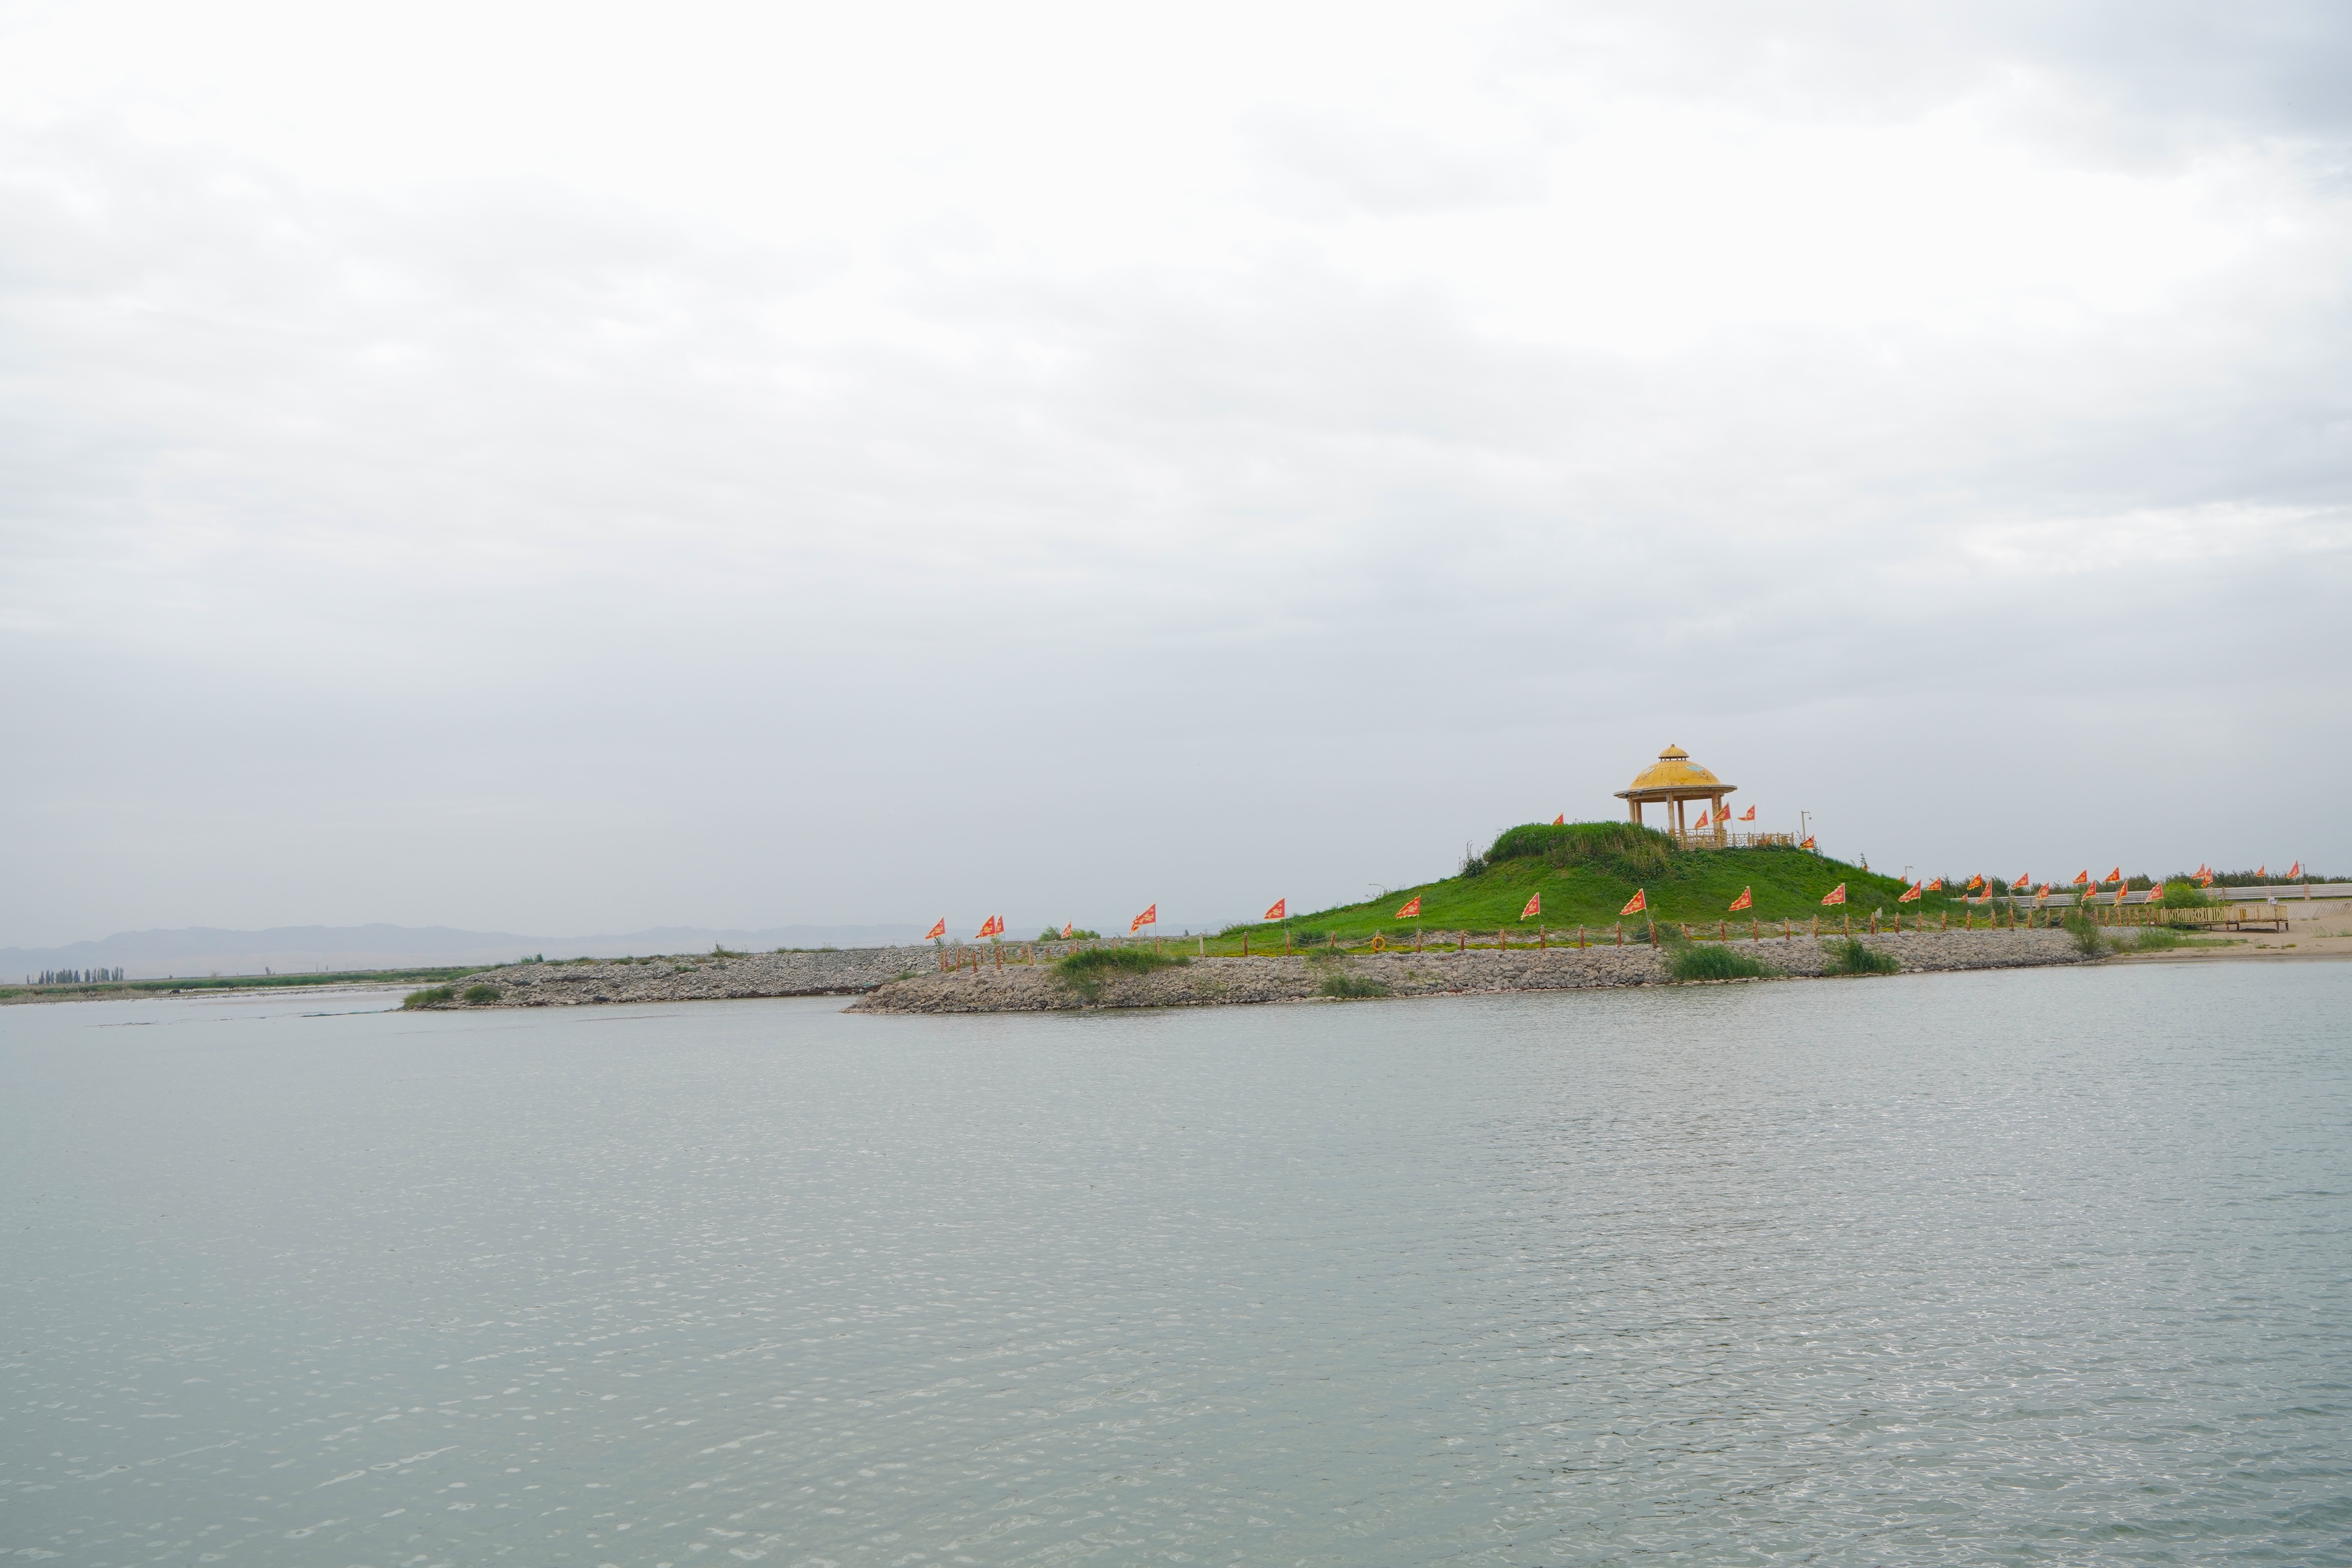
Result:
<point x="1086" y="972"/>
<point x="1586" y="871"/>
<point x="480" y="993"/>
<point x="1850" y="957"/>
<point x="1713" y="961"/>
<point x="431" y="996"/>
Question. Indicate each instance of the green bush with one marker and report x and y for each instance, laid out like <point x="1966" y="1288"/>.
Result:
<point x="1852" y="957"/>
<point x="431" y="996"/>
<point x="2158" y="938"/>
<point x="480" y="993"/>
<point x="2089" y="939"/>
<point x="1712" y="961"/>
<point x="1084" y="973"/>
<point x="2181" y="893"/>
<point x="1341" y="982"/>
<point x="1077" y="934"/>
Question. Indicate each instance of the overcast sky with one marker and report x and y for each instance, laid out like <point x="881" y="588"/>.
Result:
<point x="571" y="468"/>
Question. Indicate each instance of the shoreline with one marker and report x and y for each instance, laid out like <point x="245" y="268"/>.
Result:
<point x="135" y="991"/>
<point x="1244" y="982"/>
<point x="908" y="979"/>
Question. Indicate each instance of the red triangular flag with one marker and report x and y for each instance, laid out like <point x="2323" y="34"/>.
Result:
<point x="1937" y="886"/>
<point x="1908" y="894"/>
<point x="1636" y="904"/>
<point x="1534" y="908"/>
<point x="1150" y="917"/>
<point x="937" y="932"/>
<point x="1560" y="821"/>
<point x="2115" y="876"/>
<point x="2294" y="870"/>
<point x="1745" y="900"/>
<point x="1276" y="913"/>
<point x="1808" y="844"/>
<point x="1837" y="895"/>
<point x="1412" y="907"/>
<point x="2022" y="883"/>
<point x="1068" y="926"/>
<point x="1748" y="816"/>
<point x="1702" y="821"/>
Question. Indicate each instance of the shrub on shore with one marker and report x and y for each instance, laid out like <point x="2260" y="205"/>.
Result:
<point x="1713" y="961"/>
<point x="1086" y="972"/>
<point x="480" y="993"/>
<point x="431" y="996"/>
<point x="1852" y="957"/>
<point x="2089" y="939"/>
<point x="1050" y="935"/>
<point x="1349" y="985"/>
<point x="2158" y="938"/>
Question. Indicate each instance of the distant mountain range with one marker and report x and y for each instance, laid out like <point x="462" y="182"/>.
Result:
<point x="301" y="950"/>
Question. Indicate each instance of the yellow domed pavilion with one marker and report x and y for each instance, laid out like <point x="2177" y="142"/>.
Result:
<point x="1673" y="780"/>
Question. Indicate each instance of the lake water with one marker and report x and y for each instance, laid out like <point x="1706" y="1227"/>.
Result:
<point x="2002" y="1267"/>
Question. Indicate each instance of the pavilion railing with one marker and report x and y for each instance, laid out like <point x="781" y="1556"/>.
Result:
<point x="1714" y="838"/>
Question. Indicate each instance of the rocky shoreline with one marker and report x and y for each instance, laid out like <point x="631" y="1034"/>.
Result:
<point x="908" y="979"/>
<point x="700" y="977"/>
<point x="1226" y="982"/>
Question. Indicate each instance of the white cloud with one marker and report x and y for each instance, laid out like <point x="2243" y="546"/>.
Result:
<point x="1259" y="440"/>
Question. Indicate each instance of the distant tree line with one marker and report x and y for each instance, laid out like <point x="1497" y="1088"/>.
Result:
<point x="74" y="976"/>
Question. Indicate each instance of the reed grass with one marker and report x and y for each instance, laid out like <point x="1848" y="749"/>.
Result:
<point x="1852" y="957"/>
<point x="1689" y="961"/>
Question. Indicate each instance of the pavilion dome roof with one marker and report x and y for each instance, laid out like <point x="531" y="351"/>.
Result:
<point x="1675" y="770"/>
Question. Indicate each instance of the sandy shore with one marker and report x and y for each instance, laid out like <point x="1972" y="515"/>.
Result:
<point x="2320" y="929"/>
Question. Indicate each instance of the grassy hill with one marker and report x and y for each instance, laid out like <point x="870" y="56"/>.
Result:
<point x="1587" y="870"/>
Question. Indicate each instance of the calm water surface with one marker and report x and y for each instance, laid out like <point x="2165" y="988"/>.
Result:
<point x="2021" y="1268"/>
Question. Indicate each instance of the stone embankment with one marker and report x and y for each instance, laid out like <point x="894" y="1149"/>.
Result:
<point x="1213" y="982"/>
<point x="702" y="978"/>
